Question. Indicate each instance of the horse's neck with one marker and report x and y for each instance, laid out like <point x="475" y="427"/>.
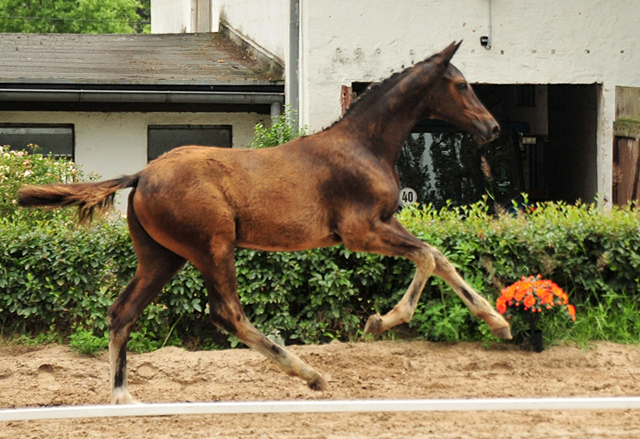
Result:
<point x="384" y="125"/>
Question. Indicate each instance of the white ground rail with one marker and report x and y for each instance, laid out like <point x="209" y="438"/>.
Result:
<point x="320" y="406"/>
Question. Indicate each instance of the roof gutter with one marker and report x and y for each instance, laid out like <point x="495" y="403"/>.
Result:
<point x="137" y="96"/>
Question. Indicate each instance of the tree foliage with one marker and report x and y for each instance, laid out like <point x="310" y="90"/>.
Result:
<point x="73" y="16"/>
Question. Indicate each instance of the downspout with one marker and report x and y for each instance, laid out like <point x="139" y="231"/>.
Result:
<point x="276" y="109"/>
<point x="292" y="79"/>
<point x="487" y="40"/>
<point x="490" y="27"/>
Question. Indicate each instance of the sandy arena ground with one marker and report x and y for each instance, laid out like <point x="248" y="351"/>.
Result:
<point x="54" y="375"/>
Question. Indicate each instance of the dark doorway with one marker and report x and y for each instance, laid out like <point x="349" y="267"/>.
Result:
<point x="571" y="165"/>
<point x="547" y="149"/>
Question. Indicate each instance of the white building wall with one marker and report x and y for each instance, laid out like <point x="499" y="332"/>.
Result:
<point x="591" y="41"/>
<point x="115" y="144"/>
<point x="171" y="16"/>
<point x="542" y="42"/>
<point x="265" y="22"/>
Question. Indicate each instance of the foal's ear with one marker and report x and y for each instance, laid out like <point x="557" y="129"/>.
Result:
<point x="446" y="55"/>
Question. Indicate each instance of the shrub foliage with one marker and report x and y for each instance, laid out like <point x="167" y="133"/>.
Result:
<point x="56" y="276"/>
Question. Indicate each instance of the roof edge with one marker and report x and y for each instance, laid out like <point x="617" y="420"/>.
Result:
<point x="273" y="64"/>
<point x="139" y="96"/>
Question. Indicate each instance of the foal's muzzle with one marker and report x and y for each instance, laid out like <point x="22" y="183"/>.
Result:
<point x="486" y="131"/>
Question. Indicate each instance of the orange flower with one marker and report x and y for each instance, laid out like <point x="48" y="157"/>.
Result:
<point x="572" y="312"/>
<point x="535" y="294"/>
<point x="545" y="296"/>
<point x="501" y="305"/>
<point x="508" y="294"/>
<point x="529" y="301"/>
<point x="521" y="291"/>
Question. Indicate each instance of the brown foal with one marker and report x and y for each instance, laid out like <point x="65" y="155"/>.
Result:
<point x="338" y="186"/>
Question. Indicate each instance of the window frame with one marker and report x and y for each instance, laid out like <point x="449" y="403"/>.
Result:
<point x="69" y="126"/>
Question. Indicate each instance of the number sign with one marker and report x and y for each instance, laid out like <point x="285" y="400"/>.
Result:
<point x="408" y="196"/>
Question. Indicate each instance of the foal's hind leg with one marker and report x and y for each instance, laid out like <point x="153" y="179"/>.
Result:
<point x="156" y="266"/>
<point x="393" y="240"/>
<point x="226" y="312"/>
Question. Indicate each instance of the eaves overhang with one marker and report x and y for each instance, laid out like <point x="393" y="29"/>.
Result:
<point x="140" y="96"/>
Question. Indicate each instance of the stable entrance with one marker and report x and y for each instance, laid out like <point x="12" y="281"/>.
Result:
<point x="547" y="149"/>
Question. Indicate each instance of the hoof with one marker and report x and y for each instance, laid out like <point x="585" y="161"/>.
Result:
<point x="122" y="397"/>
<point x="129" y="401"/>
<point x="374" y="325"/>
<point x="503" y="333"/>
<point x="318" y="384"/>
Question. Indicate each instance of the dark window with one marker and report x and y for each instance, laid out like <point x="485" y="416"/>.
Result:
<point x="163" y="138"/>
<point x="55" y="140"/>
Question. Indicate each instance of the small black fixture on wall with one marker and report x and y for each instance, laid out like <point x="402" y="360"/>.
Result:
<point x="485" y="42"/>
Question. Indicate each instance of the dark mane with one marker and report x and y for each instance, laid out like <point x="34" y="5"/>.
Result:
<point x="377" y="91"/>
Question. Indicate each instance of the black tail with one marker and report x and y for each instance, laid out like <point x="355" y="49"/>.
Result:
<point x="88" y="197"/>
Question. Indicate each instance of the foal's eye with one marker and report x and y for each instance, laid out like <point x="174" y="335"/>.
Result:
<point x="462" y="86"/>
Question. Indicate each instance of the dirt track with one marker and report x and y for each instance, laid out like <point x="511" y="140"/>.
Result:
<point x="54" y="375"/>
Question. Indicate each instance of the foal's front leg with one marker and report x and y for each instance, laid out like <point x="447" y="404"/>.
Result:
<point x="478" y="305"/>
<point x="393" y="240"/>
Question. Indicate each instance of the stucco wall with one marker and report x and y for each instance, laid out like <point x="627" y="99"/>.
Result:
<point x="532" y="42"/>
<point x="171" y="16"/>
<point x="114" y="144"/>
<point x="542" y="42"/>
<point x="265" y="22"/>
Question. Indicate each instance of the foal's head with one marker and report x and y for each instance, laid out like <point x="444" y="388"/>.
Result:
<point x="453" y="100"/>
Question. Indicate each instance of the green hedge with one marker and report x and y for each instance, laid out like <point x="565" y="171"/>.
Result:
<point x="593" y="255"/>
<point x="59" y="278"/>
<point x="54" y="275"/>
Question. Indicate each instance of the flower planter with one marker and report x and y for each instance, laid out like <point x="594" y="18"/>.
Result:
<point x="530" y="298"/>
<point x="536" y="341"/>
